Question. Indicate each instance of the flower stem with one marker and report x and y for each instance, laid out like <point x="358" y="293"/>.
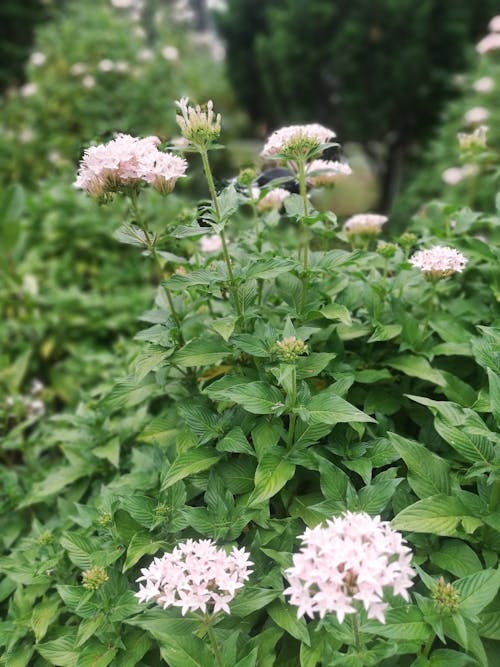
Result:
<point x="355" y="630"/>
<point x="151" y="245"/>
<point x="215" y="646"/>
<point x="494" y="497"/>
<point x="227" y="258"/>
<point x="304" y="246"/>
<point x="293" y="416"/>
<point x="430" y="306"/>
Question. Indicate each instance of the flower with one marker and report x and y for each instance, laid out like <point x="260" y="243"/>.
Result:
<point x="211" y="243"/>
<point x="476" y="115"/>
<point x="196" y="575"/>
<point x="348" y="563"/>
<point x="290" y="348"/>
<point x="199" y="126"/>
<point x="445" y="596"/>
<point x="326" y="172"/>
<point x="439" y="261"/>
<point x="273" y="200"/>
<point x="29" y="89"/>
<point x="484" y="85"/>
<point x="78" y="68"/>
<point x="474" y="139"/>
<point x="452" y="176"/>
<point x="297" y="140"/>
<point x="494" y="24"/>
<point x="37" y="59"/>
<point x="145" y="55"/>
<point x="106" y="65"/>
<point x="489" y="43"/>
<point x="126" y="163"/>
<point x="88" y="81"/>
<point x="94" y="578"/>
<point x="170" y="53"/>
<point x="365" y="223"/>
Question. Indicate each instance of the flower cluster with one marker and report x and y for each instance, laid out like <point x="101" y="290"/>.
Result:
<point x="126" y="163"/>
<point x="439" y="261"/>
<point x="297" y="140"/>
<point x="94" y="578"/>
<point x="489" y="43"/>
<point x="454" y="175"/>
<point x="290" y="348"/>
<point x="366" y="224"/>
<point x="326" y="172"/>
<point x="484" y="85"/>
<point x="476" y="139"/>
<point x="211" y="243"/>
<point x="273" y="200"/>
<point x="196" y="575"/>
<point x="476" y="115"/>
<point x="347" y="563"/>
<point x="445" y="596"/>
<point x="199" y="126"/>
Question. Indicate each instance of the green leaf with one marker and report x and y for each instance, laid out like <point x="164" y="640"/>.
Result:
<point x="417" y="367"/>
<point x="201" y="352"/>
<point x="443" y="657"/>
<point x="494" y="382"/>
<point x="131" y="235"/>
<point x="335" y="311"/>
<point x="96" y="654"/>
<point x="235" y="442"/>
<point x="60" y="652"/>
<point x="472" y="448"/>
<point x="55" y="481"/>
<point x="328" y="408"/>
<point x="139" y="545"/>
<point x="259" y="398"/>
<point x="273" y="472"/>
<point x="224" y="326"/>
<point x="477" y="591"/>
<point x="285" y="616"/>
<point x="385" y="332"/>
<point x="43" y="615"/>
<point x="439" y="515"/>
<point x="456" y="557"/>
<point x="110" y="451"/>
<point x="129" y="392"/>
<point x="251" y="345"/>
<point x="429" y="474"/>
<point x="313" y="364"/>
<point x="269" y="267"/>
<point x="251" y="599"/>
<point x="402" y="622"/>
<point x="79" y="549"/>
<point x="189" y="463"/>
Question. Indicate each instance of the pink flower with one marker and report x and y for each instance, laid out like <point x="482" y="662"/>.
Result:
<point x="196" y="575"/>
<point x="439" y="261"/>
<point x="326" y="172"/>
<point x="489" y="43"/>
<point x="365" y="223"/>
<point x="170" y="53"/>
<point x="281" y="140"/>
<point x="210" y="243"/>
<point x="476" y="115"/>
<point x="37" y="59"/>
<point x="346" y="564"/>
<point x="273" y="200"/>
<point x="494" y="24"/>
<point x="484" y="85"/>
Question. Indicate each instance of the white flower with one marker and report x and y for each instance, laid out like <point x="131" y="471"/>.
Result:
<point x="273" y="200"/>
<point x="286" y="138"/>
<point x="144" y="55"/>
<point x="26" y="135"/>
<point x="346" y="564"/>
<point x="196" y="575"/>
<point x="29" y="89"/>
<point x="78" y="68"/>
<point x="484" y="85"/>
<point x="452" y="176"/>
<point x="37" y="59"/>
<point x="88" y="81"/>
<point x="210" y="243"/>
<point x="199" y="126"/>
<point x="122" y="66"/>
<point x="106" y="65"/>
<point x="170" y="53"/>
<point x="474" y="139"/>
<point x="365" y="223"/>
<point x="494" y="24"/>
<point x="439" y="261"/>
<point x="476" y="115"/>
<point x="326" y="172"/>
<point x="489" y="43"/>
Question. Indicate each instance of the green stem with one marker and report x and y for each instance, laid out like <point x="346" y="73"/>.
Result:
<point x="227" y="258"/>
<point x="355" y="630"/>
<point x="426" y="648"/>
<point x="304" y="233"/>
<point x="152" y="248"/>
<point x="215" y="646"/>
<point x="430" y="306"/>
<point x="293" y="416"/>
<point x="494" y="497"/>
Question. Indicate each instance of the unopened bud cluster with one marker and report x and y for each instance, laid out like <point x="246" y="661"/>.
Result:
<point x="445" y="596"/>
<point x="473" y="140"/>
<point x="94" y="578"/>
<point x="200" y="126"/>
<point x="290" y="348"/>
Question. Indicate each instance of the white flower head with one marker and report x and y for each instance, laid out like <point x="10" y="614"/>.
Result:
<point x="29" y="89"/>
<point x="476" y="116"/>
<point x="489" y="43"/>
<point x="170" y="53"/>
<point x="476" y="139"/>
<point x="346" y="564"/>
<point x="297" y="141"/>
<point x="145" y="55"/>
<point x="106" y="65"/>
<point x="368" y="224"/>
<point x="439" y="262"/>
<point x="37" y="59"/>
<point x="494" y="24"/>
<point x="77" y="69"/>
<point x="196" y="575"/>
<point x="484" y="85"/>
<point x="210" y="243"/>
<point x="88" y="81"/>
<point x="326" y="172"/>
<point x="452" y="175"/>
<point x="273" y="200"/>
<point x="200" y="126"/>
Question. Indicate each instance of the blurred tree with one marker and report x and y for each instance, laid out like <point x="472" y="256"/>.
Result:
<point x="378" y="71"/>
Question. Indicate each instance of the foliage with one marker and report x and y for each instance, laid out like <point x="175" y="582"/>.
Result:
<point x="294" y="374"/>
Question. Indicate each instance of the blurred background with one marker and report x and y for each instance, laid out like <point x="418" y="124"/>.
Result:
<point x="396" y="79"/>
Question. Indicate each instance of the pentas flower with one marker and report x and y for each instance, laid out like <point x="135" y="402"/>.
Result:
<point x="494" y="24"/>
<point x="273" y="200"/>
<point x="474" y="139"/>
<point x="126" y="163"/>
<point x="326" y="172"/>
<point x="210" y="243"/>
<point x="196" y="575"/>
<point x="439" y="261"/>
<point x="199" y="126"/>
<point x="368" y="224"/>
<point x="484" y="85"/>
<point x="476" y="115"/>
<point x="347" y="564"/>
<point x="297" y="140"/>
<point x="489" y="43"/>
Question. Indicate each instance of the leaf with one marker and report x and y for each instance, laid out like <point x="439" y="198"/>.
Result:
<point x="385" y="332"/>
<point x="139" y="545"/>
<point x="110" y="451"/>
<point x="402" y="622"/>
<point x="55" y="481"/>
<point x="201" y="352"/>
<point x="129" y="392"/>
<point x="224" y="326"/>
<point x="43" y="615"/>
<point x="251" y="599"/>
<point x="269" y="267"/>
<point x="259" y="398"/>
<point x="443" y="657"/>
<point x="494" y="382"/>
<point x="131" y="235"/>
<point x="251" y="345"/>
<point x="417" y="367"/>
<point x="273" y="472"/>
<point x="285" y="616"/>
<point x="79" y="549"/>
<point x="189" y="463"/>
<point x="60" y="652"/>
<point x="313" y="364"/>
<point x="439" y="515"/>
<point x="336" y="311"/>
<point x="477" y="591"/>
<point x="96" y="654"/>
<point x="456" y="557"/>
<point x="429" y="474"/>
<point x="328" y="408"/>
<point x="472" y="448"/>
<point x="236" y="442"/>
